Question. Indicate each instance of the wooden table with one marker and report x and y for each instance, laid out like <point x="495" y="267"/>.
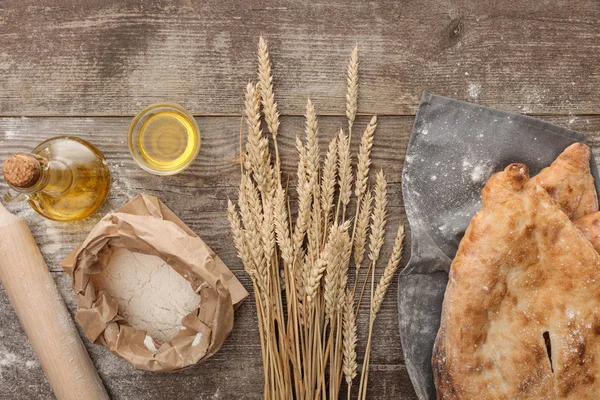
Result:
<point x="86" y="68"/>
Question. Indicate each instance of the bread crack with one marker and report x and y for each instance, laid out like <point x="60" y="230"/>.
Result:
<point x="548" y="344"/>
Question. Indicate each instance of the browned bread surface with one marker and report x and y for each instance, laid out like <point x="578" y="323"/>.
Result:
<point x="569" y="182"/>
<point x="521" y="315"/>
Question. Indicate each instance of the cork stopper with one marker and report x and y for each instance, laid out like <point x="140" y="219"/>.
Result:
<point x="22" y="171"/>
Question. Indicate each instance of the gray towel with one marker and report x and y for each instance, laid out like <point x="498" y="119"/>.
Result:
<point x="454" y="148"/>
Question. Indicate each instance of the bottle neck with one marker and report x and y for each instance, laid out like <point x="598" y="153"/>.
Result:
<point x="52" y="178"/>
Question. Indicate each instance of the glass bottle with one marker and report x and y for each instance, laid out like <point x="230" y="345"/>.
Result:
<point x="63" y="179"/>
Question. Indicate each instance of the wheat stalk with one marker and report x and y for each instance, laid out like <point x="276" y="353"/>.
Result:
<point x="350" y="366"/>
<point x="352" y="89"/>
<point x="389" y="272"/>
<point x="377" y="301"/>
<point x="344" y="170"/>
<point x="362" y="229"/>
<point x="257" y="147"/>
<point x="265" y="79"/>
<point x="376" y="236"/>
<point x="252" y="218"/>
<point x="334" y="251"/>
<point x="282" y="229"/>
<point x="265" y="86"/>
<point x="379" y="217"/>
<point x="328" y="180"/>
<point x="364" y="159"/>
<point x="304" y="198"/>
<point x="239" y="239"/>
<point x="268" y="229"/>
<point x="312" y="143"/>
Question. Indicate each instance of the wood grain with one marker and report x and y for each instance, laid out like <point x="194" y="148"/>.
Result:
<point x="85" y="68"/>
<point x="66" y="57"/>
<point x="199" y="197"/>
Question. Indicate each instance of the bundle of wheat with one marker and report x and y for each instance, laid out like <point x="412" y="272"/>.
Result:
<point x="305" y="304"/>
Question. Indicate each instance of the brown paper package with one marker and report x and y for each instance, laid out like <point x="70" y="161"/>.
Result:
<point x="146" y="225"/>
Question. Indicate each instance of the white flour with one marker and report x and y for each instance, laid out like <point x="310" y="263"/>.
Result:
<point x="151" y="295"/>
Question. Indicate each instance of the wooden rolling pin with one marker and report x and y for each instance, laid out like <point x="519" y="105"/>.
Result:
<point x="43" y="314"/>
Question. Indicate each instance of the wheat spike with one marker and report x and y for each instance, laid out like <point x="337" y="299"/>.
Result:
<point x="252" y="218"/>
<point x="338" y="235"/>
<point x="258" y="159"/>
<point x="344" y="168"/>
<point x="313" y="234"/>
<point x="389" y="272"/>
<point x="350" y="366"/>
<point x="239" y="239"/>
<point x="362" y="229"/>
<point x="312" y="142"/>
<point x="301" y="274"/>
<point x="337" y="268"/>
<point x="345" y="254"/>
<point x="266" y="88"/>
<point x="364" y="158"/>
<point x="268" y="229"/>
<point x="282" y="229"/>
<point x="352" y="89"/>
<point x="332" y="272"/>
<point x="328" y="179"/>
<point x="379" y="217"/>
<point x="304" y="198"/>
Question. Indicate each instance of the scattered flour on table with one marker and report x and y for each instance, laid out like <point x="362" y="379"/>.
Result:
<point x="473" y="90"/>
<point x="151" y="295"/>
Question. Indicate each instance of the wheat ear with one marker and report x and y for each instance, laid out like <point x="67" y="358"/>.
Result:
<point x="362" y="229"/>
<point x="312" y="143"/>
<point x="344" y="169"/>
<point x="239" y="239"/>
<point x="252" y="218"/>
<point x="265" y="79"/>
<point x="257" y="147"/>
<point x="337" y="266"/>
<point x="265" y="87"/>
<point x="328" y="180"/>
<point x="364" y="159"/>
<point x="379" y="217"/>
<point x="378" y="222"/>
<point x="389" y="272"/>
<point x="338" y="236"/>
<point x="377" y="300"/>
<point x="352" y="89"/>
<point x="282" y="229"/>
<point x="349" y="340"/>
<point x="304" y="198"/>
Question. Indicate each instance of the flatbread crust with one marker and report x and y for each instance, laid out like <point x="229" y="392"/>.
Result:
<point x="590" y="227"/>
<point x="524" y="275"/>
<point x="569" y="182"/>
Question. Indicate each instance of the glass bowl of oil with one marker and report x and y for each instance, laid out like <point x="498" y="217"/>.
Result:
<point x="164" y="139"/>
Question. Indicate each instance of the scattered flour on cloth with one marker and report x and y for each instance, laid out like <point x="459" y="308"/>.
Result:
<point x="151" y="295"/>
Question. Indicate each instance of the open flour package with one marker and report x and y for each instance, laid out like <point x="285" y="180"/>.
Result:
<point x="150" y="290"/>
<point x="453" y="150"/>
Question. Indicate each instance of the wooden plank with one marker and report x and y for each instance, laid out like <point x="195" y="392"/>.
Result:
<point x="114" y="57"/>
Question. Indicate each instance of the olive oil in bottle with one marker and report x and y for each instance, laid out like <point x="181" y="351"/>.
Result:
<point x="63" y="179"/>
<point x="164" y="139"/>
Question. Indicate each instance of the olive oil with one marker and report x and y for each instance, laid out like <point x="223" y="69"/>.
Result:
<point x="164" y="139"/>
<point x="167" y="141"/>
<point x="68" y="181"/>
